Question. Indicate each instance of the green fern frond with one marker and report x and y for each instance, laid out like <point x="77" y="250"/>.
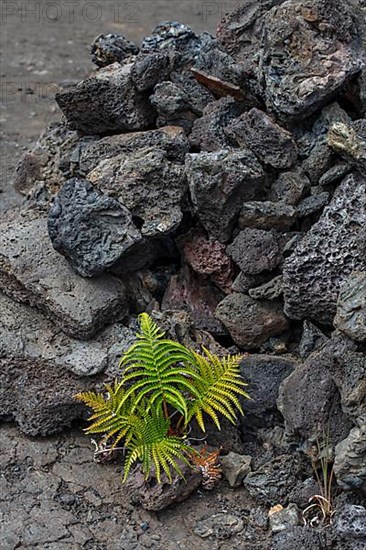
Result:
<point x="153" y="446"/>
<point x="218" y="386"/>
<point x="159" y="368"/>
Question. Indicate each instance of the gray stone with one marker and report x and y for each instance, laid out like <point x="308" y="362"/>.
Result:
<point x="350" y="463"/>
<point x="351" y="307"/>
<point x="181" y="101"/>
<point x="269" y="291"/>
<point x="255" y="251"/>
<point x="273" y="481"/>
<point x="289" y="187"/>
<point x="208" y="131"/>
<point x="243" y="283"/>
<point x="273" y="145"/>
<point x="93" y="231"/>
<point x="250" y="323"/>
<point x="267" y="215"/>
<point x="349" y="140"/>
<point x="221" y="526"/>
<point x="219" y="183"/>
<point x="25" y="334"/>
<point x="284" y="519"/>
<point x="327" y="255"/>
<point x="335" y="174"/>
<point x="32" y="271"/>
<point x="296" y="538"/>
<point x="312" y="204"/>
<point x="312" y="339"/>
<point x="148" y="184"/>
<point x="106" y="102"/>
<point x="264" y="375"/>
<point x="151" y="68"/>
<point x="235" y="467"/>
<point x="299" y="70"/>
<point x="39" y="395"/>
<point x="351" y="522"/>
<point x="109" y="48"/>
<point x="156" y="496"/>
<point x="350" y="376"/>
<point x="88" y="153"/>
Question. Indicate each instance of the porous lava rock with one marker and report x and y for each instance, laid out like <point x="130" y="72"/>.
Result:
<point x="93" y="231"/>
<point x="289" y="187"/>
<point x="267" y="215"/>
<point x="327" y="255"/>
<point x="255" y="251"/>
<point x="109" y="48"/>
<point x="349" y="462"/>
<point x="106" y="102"/>
<point x="219" y="183"/>
<point x="250" y="323"/>
<point x="32" y="271"/>
<point x="351" y="307"/>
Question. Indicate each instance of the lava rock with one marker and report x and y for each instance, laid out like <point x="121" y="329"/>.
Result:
<point x="109" y="48"/>
<point x="235" y="467"/>
<point x="351" y="307"/>
<point x="305" y="418"/>
<point x="267" y="215"/>
<point x="349" y="140"/>
<point x="268" y="291"/>
<point x="349" y="462"/>
<point x="327" y="255"/>
<point x="179" y="39"/>
<point x="273" y="481"/>
<point x="284" y="518"/>
<point x="150" y="69"/>
<point x="32" y="271"/>
<point x="208" y="257"/>
<point x="106" y="102"/>
<point x="273" y="145"/>
<point x="264" y="375"/>
<point x="148" y="184"/>
<point x="93" y="231"/>
<point x="156" y="496"/>
<point x="219" y="183"/>
<point x="250" y="323"/>
<point x="312" y="338"/>
<point x="312" y="204"/>
<point x="26" y="335"/>
<point x="309" y="50"/>
<point x="289" y="187"/>
<point x="351" y="522"/>
<point x="180" y="102"/>
<point x="89" y="153"/>
<point x="298" y="537"/>
<point x="208" y="132"/>
<point x="255" y="251"/>
<point x="40" y="396"/>
<point x="243" y="283"/>
<point x="220" y="526"/>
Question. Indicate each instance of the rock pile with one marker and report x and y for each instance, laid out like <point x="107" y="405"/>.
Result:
<point x="220" y="184"/>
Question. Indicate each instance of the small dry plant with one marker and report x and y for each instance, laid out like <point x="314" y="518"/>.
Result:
<point x="320" y="510"/>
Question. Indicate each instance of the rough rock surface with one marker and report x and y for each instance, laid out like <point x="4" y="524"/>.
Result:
<point x="106" y="102"/>
<point x="32" y="271"/>
<point x="219" y="183"/>
<point x="308" y="51"/>
<point x="109" y="48"/>
<point x="268" y="291"/>
<point x="148" y="184"/>
<point x="93" y="231"/>
<point x="250" y="323"/>
<point x="327" y="254"/>
<point x="267" y="215"/>
<point x="349" y="140"/>
<point x="25" y="334"/>
<point x="351" y="307"/>
<point x="351" y="522"/>
<point x="349" y="462"/>
<point x="235" y="467"/>
<point x="289" y="187"/>
<point x="39" y="395"/>
<point x="255" y="251"/>
<point x="273" y="145"/>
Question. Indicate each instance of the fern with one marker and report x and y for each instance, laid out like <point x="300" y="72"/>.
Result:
<point x="163" y="387"/>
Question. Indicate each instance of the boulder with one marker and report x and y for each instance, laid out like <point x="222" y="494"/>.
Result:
<point x="327" y="255"/>
<point x="26" y="335"/>
<point x="105" y="102"/>
<point x="255" y="130"/>
<point x="349" y="462"/>
<point x="32" y="271"/>
<point x="39" y="395"/>
<point x="219" y="183"/>
<point x="351" y="307"/>
<point x="267" y="215"/>
<point x="93" y="231"/>
<point x="308" y="52"/>
<point x="111" y="48"/>
<point x="148" y="184"/>
<point x="255" y="251"/>
<point x="250" y="323"/>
